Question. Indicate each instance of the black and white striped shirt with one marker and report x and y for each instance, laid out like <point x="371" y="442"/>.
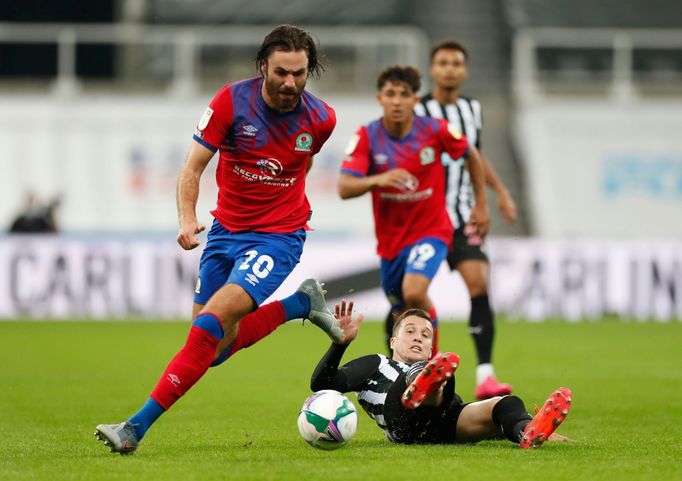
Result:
<point x="465" y="116"/>
<point x="369" y="376"/>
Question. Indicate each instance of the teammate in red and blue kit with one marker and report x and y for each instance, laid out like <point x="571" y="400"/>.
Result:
<point x="397" y="158"/>
<point x="267" y="130"/>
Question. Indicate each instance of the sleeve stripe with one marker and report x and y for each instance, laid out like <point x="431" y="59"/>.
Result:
<point x="354" y="173"/>
<point x="205" y="144"/>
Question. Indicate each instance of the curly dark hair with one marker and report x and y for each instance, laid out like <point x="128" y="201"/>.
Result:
<point x="448" y="44"/>
<point x="410" y="312"/>
<point x="400" y="74"/>
<point x="290" y="38"/>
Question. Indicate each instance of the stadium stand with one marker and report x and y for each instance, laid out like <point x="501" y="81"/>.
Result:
<point x="586" y="13"/>
<point x="147" y="50"/>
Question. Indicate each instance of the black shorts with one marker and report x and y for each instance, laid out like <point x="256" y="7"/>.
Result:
<point x="426" y="424"/>
<point x="462" y="250"/>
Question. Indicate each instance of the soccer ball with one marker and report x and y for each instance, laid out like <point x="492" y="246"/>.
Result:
<point x="327" y="420"/>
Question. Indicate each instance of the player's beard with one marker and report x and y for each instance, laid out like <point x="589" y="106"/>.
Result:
<point x="275" y="91"/>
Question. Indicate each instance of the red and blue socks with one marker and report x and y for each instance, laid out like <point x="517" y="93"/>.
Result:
<point x="296" y="306"/>
<point x="184" y="370"/>
<point x="198" y="353"/>
<point x="145" y="417"/>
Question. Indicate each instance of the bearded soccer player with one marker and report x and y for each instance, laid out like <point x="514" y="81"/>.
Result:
<point x="267" y="129"/>
<point x="449" y="71"/>
<point x="397" y="159"/>
<point x="413" y="400"/>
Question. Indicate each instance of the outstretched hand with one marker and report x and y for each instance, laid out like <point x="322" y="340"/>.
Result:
<point x="350" y="327"/>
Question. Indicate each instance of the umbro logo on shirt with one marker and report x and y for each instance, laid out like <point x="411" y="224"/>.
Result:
<point x="249" y="130"/>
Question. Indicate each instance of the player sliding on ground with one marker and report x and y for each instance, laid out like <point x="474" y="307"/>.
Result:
<point x="267" y="129"/>
<point x="413" y="400"/>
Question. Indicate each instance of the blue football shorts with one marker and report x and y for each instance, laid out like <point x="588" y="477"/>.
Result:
<point x="422" y="257"/>
<point x="257" y="261"/>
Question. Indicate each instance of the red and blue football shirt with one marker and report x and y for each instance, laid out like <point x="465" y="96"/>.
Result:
<point x="263" y="156"/>
<point x="402" y="217"/>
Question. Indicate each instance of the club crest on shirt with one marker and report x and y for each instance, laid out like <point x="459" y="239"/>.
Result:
<point x="304" y="142"/>
<point x="203" y="121"/>
<point x="270" y="167"/>
<point x="427" y="155"/>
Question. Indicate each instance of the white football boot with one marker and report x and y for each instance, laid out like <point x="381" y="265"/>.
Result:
<point x="319" y="314"/>
<point x="120" y="438"/>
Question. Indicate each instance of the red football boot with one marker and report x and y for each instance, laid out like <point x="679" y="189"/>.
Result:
<point x="430" y="379"/>
<point x="547" y="419"/>
<point x="491" y="387"/>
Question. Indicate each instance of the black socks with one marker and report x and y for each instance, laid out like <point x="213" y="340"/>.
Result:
<point x="511" y="415"/>
<point x="481" y="327"/>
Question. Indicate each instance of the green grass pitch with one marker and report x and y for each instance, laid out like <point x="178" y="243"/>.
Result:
<point x="58" y="380"/>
